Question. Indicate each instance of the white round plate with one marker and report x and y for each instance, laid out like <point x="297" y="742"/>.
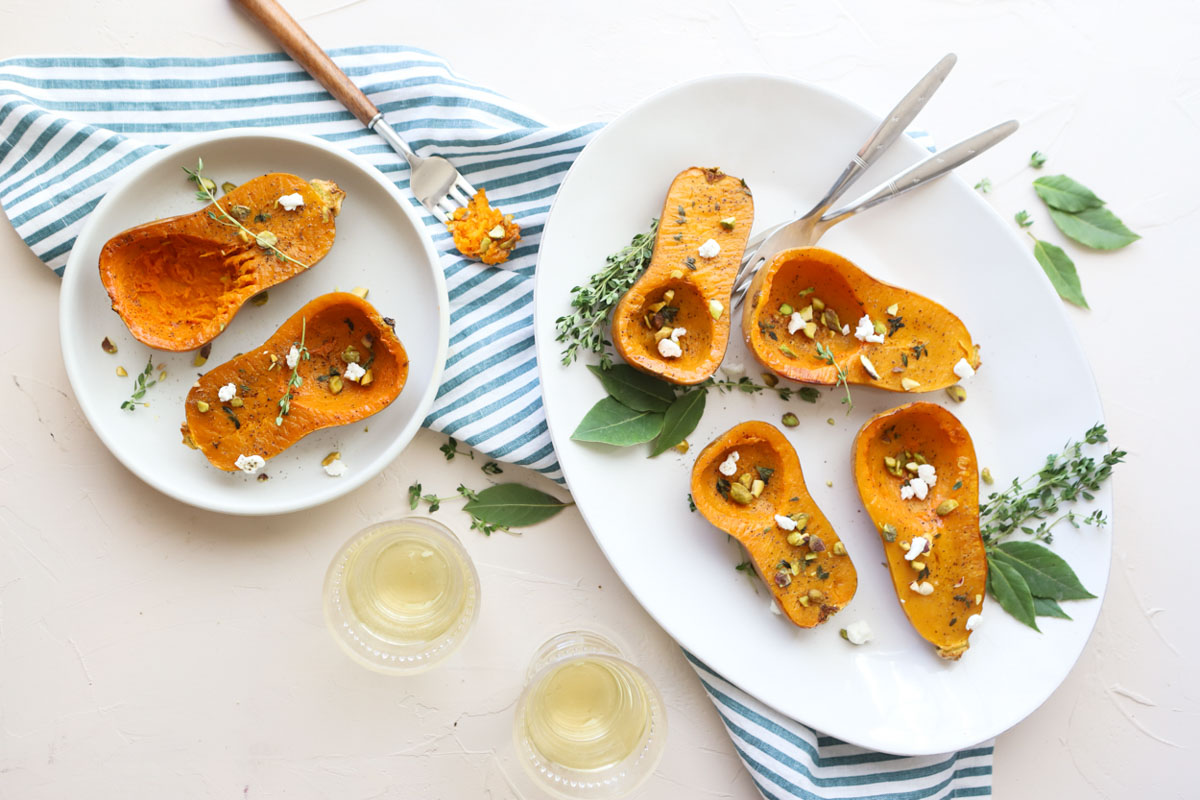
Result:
<point x="789" y="141"/>
<point x="380" y="245"/>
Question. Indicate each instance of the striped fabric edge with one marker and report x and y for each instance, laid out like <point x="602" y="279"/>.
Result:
<point x="789" y="761"/>
<point x="70" y="126"/>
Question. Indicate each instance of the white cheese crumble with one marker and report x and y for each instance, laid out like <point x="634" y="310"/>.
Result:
<point x="919" y="543"/>
<point x="865" y="331"/>
<point x="353" y="372"/>
<point x="796" y="322"/>
<point x="669" y="348"/>
<point x="963" y="369"/>
<point x="734" y="370"/>
<point x="290" y="202"/>
<point x="250" y="464"/>
<point x="336" y="468"/>
<point x="787" y="523"/>
<point x="775" y="609"/>
<point x="226" y="392"/>
<point x="729" y="465"/>
<point x="858" y="632"/>
<point x="846" y="329"/>
<point x="924" y="588"/>
<point x="927" y="473"/>
<point x="710" y="249"/>
<point x="293" y="357"/>
<point x="915" y="488"/>
<point x="973" y="622"/>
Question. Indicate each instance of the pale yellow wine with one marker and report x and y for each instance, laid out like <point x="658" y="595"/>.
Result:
<point x="587" y="714"/>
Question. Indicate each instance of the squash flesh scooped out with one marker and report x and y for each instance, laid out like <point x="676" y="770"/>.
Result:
<point x="686" y="286"/>
<point x="922" y="341"/>
<point x="177" y="282"/>
<point x="810" y="576"/>
<point x="338" y="330"/>
<point x="950" y="571"/>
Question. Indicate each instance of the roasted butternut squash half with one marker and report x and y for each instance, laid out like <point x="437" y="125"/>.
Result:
<point x="748" y="483"/>
<point x="880" y="334"/>
<point x="674" y="322"/>
<point x="177" y="282"/>
<point x="916" y="472"/>
<point x="347" y="362"/>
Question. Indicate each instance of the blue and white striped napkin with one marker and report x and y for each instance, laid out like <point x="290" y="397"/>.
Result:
<point x="69" y="126"/>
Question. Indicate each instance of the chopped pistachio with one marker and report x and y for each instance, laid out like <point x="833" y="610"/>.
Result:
<point x="236" y="402"/>
<point x="368" y="341"/>
<point x="785" y="309"/>
<point x="676" y="274"/>
<point x="367" y="378"/>
<point x="890" y="463"/>
<point x="919" y="458"/>
<point x="202" y="406"/>
<point x="654" y="308"/>
<point x="663" y="333"/>
<point x="162" y="376"/>
<point x="682" y="447"/>
<point x="804" y="600"/>
<point x="816" y="595"/>
<point x="839" y="549"/>
<point x="497" y="232"/>
<point x="796" y="538"/>
<point x="121" y="373"/>
<point x="108" y="347"/>
<point x="908" y="384"/>
<point x="810" y="556"/>
<point x="787" y="351"/>
<point x="266" y="239"/>
<point x="329" y="459"/>
<point x="818" y="305"/>
<point x="790" y="420"/>
<point x="728" y="223"/>
<point x="868" y="366"/>
<point x="746" y="479"/>
<point x="957" y="393"/>
<point x="946" y="507"/>
<point x="261" y="298"/>
<point x="740" y="494"/>
<point x="880" y="328"/>
<point x="335" y="384"/>
<point x="669" y="295"/>
<point x="770" y="380"/>
<point x="806" y="313"/>
<point x="783" y="578"/>
<point x="810" y="330"/>
<point x="715" y="308"/>
<point x="350" y="355"/>
<point x="829" y="318"/>
<point x="889" y="531"/>
<point x="917" y="565"/>
<point x="228" y="186"/>
<point x="360" y="292"/>
<point x="756" y="487"/>
<point x="831" y="421"/>
<point x="986" y="475"/>
<point x="893" y="309"/>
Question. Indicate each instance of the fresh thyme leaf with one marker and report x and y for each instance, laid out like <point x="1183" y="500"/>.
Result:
<point x="140" y="384"/>
<point x="808" y="394"/>
<point x="1037" y="159"/>
<point x="984" y="186"/>
<point x="747" y="568"/>
<point x="414" y="495"/>
<point x="450" y="450"/>
<point x="691" y="503"/>
<point x="584" y="328"/>
<point x="826" y="355"/>
<point x="1060" y="269"/>
<point x="1023" y="219"/>
<point x="285" y="402"/>
<point x="765" y="473"/>
<point x="491" y="468"/>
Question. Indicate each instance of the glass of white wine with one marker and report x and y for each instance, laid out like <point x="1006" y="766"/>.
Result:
<point x="400" y="596"/>
<point x="589" y="724"/>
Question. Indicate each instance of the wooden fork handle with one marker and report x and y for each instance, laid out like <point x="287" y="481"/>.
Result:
<point x="300" y="46"/>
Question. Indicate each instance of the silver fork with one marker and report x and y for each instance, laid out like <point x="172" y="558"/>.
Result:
<point x="437" y="184"/>
<point x="806" y="230"/>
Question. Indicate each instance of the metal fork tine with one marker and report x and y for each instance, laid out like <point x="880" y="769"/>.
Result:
<point x="463" y="184"/>
<point x="446" y="205"/>
<point x="456" y="194"/>
<point x="437" y="212"/>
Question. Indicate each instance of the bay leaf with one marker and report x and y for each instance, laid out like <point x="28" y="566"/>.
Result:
<point x="513" y="504"/>
<point x="1097" y="228"/>
<point x="610" y="422"/>
<point x="1044" y="571"/>
<point x="639" y="391"/>
<point x="1011" y="591"/>
<point x="1060" y="269"/>
<point x="681" y="419"/>
<point x="1065" y="194"/>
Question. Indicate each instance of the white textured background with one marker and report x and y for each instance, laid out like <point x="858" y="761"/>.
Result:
<point x="151" y="650"/>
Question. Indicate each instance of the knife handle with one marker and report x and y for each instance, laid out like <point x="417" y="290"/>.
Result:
<point x="300" y="46"/>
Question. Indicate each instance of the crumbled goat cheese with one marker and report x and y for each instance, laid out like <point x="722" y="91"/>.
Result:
<point x="918" y="546"/>
<point x="787" y="523"/>
<point x="973" y="622"/>
<point x="915" y="488"/>
<point x="734" y="370"/>
<point x="927" y="473"/>
<point x="293" y="357"/>
<point x="250" y="464"/>
<point x="796" y="322"/>
<point x="710" y="249"/>
<point x="846" y="329"/>
<point x="865" y="331"/>
<point x="963" y="369"/>
<point x="858" y="632"/>
<point x="924" y="588"/>
<point x="336" y="468"/>
<point x="290" y="202"/>
<point x="729" y="465"/>
<point x="353" y="372"/>
<point x="226" y="392"/>
<point x="669" y="348"/>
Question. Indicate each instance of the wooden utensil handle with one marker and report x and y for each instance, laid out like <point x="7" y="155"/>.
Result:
<point x="300" y="46"/>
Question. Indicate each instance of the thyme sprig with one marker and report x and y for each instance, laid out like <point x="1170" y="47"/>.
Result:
<point x="450" y="450"/>
<point x="140" y="384"/>
<point x="264" y="239"/>
<point x="1066" y="477"/>
<point x="285" y="402"/>
<point x="584" y="328"/>
<point x="826" y="355"/>
<point x="806" y="393"/>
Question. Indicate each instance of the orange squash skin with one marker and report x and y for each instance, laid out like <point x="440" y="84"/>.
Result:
<point x="330" y="324"/>
<point x="925" y="349"/>
<point x="706" y="197"/>
<point x="760" y="444"/>
<point x="178" y="282"/>
<point x="956" y="565"/>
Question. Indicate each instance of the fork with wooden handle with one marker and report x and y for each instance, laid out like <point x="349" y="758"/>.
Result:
<point x="437" y="184"/>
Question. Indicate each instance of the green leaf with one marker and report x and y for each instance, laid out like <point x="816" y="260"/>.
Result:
<point x="639" y="391"/>
<point x="513" y="504"/>
<point x="1066" y="194"/>
<point x="1097" y="228"/>
<point x="1011" y="591"/>
<point x="1060" y="269"/>
<point x="1046" y="573"/>
<point x="609" y="422"/>
<point x="1045" y="607"/>
<point x="681" y="419"/>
